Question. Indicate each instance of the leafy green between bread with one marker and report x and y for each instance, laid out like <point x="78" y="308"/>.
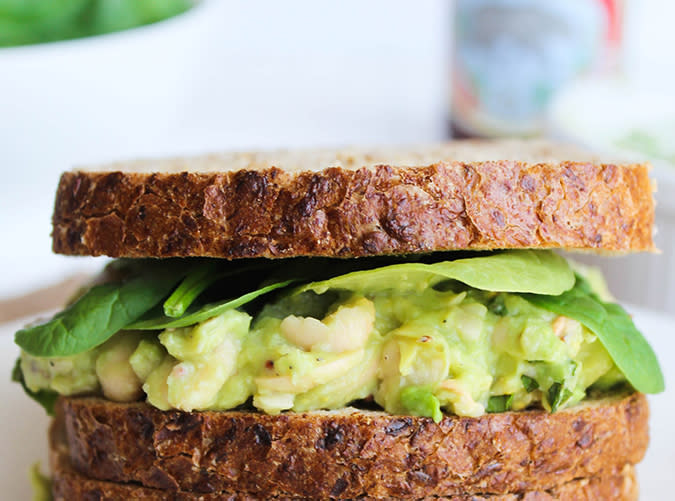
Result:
<point x="161" y="321"/>
<point x="615" y="329"/>
<point x="102" y="311"/>
<point x="190" y="288"/>
<point x="200" y="278"/>
<point x="542" y="277"/>
<point x="45" y="398"/>
<point x="538" y="272"/>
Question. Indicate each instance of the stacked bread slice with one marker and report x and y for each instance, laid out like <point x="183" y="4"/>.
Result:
<point x="104" y="450"/>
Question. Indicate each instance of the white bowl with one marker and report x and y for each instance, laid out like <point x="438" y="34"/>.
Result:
<point x="87" y="100"/>
<point x="126" y="86"/>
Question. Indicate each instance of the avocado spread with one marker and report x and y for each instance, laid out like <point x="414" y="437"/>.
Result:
<point x="417" y="338"/>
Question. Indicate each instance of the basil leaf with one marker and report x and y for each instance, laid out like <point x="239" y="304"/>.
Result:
<point x="557" y="395"/>
<point x="615" y="330"/>
<point x="46" y="398"/>
<point x="157" y="322"/>
<point x="540" y="272"/>
<point x="101" y="312"/>
<point x="530" y="384"/>
<point x="500" y="403"/>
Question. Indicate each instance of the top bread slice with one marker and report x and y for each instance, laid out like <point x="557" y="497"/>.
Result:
<point x="460" y="195"/>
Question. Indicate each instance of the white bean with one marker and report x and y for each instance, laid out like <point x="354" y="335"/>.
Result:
<point x="195" y="385"/>
<point x="346" y="329"/>
<point x="463" y="404"/>
<point x="118" y="379"/>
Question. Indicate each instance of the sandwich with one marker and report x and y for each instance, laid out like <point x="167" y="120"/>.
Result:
<point x="347" y="325"/>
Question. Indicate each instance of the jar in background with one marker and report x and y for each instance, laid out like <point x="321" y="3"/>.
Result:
<point x="511" y="56"/>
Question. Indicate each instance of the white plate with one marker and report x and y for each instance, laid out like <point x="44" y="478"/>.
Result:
<point x="23" y="425"/>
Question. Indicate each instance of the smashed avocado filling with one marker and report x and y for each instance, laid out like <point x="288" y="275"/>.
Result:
<point x="488" y="333"/>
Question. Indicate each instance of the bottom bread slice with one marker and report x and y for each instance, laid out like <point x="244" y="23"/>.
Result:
<point x="68" y="484"/>
<point x="353" y="453"/>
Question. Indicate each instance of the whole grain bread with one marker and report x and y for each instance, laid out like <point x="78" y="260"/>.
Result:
<point x="461" y="195"/>
<point x="69" y="484"/>
<point x="353" y="453"/>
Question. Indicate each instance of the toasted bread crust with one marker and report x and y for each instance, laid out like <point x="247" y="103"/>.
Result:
<point x="351" y="453"/>
<point x="350" y="211"/>
<point x="67" y="484"/>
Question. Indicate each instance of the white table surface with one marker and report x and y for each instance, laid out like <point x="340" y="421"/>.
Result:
<point x="23" y="424"/>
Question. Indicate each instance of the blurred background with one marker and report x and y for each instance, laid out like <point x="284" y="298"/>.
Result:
<point x="88" y="81"/>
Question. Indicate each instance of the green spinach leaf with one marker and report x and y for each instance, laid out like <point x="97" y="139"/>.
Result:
<point x="189" y="289"/>
<point x="615" y="330"/>
<point x="201" y="277"/>
<point x="539" y="272"/>
<point x="161" y="321"/>
<point x="102" y="311"/>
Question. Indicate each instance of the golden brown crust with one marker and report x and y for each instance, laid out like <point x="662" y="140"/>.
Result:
<point x="352" y="453"/>
<point x="356" y="211"/>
